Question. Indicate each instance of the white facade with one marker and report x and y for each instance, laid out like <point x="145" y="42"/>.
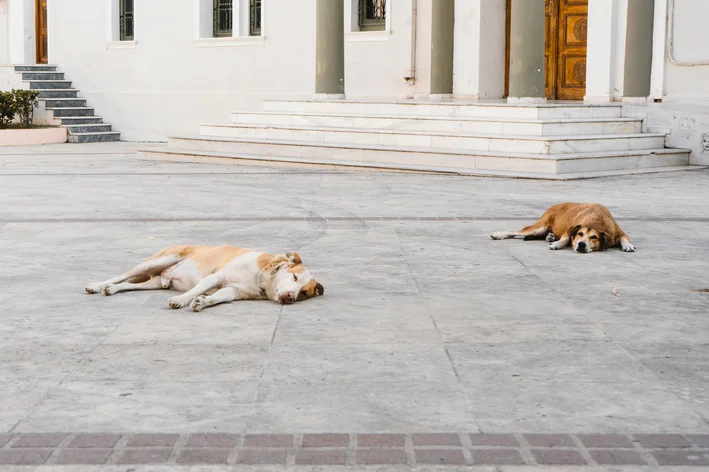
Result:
<point x="174" y="75"/>
<point x="17" y="32"/>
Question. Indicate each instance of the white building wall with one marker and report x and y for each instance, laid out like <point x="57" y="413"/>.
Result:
<point x="167" y="82"/>
<point x="377" y="63"/>
<point x="4" y="38"/>
<point x="687" y="76"/>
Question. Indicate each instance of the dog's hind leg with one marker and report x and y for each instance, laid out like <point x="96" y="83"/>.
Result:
<point x="538" y="230"/>
<point x="150" y="268"/>
<point x="136" y="283"/>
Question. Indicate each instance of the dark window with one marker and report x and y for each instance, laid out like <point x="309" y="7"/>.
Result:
<point x="126" y="20"/>
<point x="223" y="18"/>
<point x="255" y="18"/>
<point x="372" y="15"/>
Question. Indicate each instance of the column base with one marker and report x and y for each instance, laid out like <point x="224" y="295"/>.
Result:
<point x="526" y="100"/>
<point x="437" y="97"/>
<point x="597" y="99"/>
<point x="636" y="100"/>
<point x="330" y="96"/>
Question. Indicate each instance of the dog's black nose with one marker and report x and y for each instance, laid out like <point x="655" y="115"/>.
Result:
<point x="582" y="245"/>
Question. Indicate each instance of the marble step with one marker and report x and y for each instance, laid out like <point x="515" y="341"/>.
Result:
<point x="433" y="157"/>
<point x="480" y="109"/>
<point x="36" y="67"/>
<point x="50" y="84"/>
<point x="52" y="103"/>
<point x="100" y="137"/>
<point x="87" y="128"/>
<point x="441" y="140"/>
<point x="58" y="93"/>
<point x="71" y="112"/>
<point x="548" y="127"/>
<point x="78" y="120"/>
<point x="194" y="155"/>
<point x="42" y="75"/>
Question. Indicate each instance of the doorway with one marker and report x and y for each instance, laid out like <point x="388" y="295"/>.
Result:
<point x="565" y="44"/>
<point x="41" y="31"/>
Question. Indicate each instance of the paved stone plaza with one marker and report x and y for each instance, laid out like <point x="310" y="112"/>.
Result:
<point x="461" y="351"/>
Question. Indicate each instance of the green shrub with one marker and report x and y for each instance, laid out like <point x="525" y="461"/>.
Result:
<point x="7" y="109"/>
<point x="25" y="103"/>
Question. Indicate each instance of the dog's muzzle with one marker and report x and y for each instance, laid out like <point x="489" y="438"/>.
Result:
<point x="286" y="298"/>
<point x="581" y="247"/>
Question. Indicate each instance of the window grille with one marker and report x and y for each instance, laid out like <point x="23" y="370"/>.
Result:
<point x="255" y="18"/>
<point x="126" y="20"/>
<point x="223" y="18"/>
<point x="372" y="15"/>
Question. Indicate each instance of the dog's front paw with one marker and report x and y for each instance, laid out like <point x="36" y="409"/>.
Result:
<point x="198" y="303"/>
<point x="93" y="288"/>
<point x="497" y="235"/>
<point x="551" y="237"/>
<point x="628" y="247"/>
<point x="109" y="290"/>
<point x="177" y="302"/>
<point x="556" y="245"/>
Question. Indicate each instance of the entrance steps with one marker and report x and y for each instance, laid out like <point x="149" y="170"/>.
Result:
<point x="556" y="140"/>
<point x="64" y="107"/>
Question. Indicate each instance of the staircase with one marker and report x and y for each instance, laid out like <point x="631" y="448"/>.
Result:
<point x="555" y="140"/>
<point x="64" y="106"/>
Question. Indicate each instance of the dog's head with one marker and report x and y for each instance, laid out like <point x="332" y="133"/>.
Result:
<point x="588" y="239"/>
<point x="294" y="283"/>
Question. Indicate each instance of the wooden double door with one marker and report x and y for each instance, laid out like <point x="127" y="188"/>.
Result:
<point x="566" y="27"/>
<point x="41" y="31"/>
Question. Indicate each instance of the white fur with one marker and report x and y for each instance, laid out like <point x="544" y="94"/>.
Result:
<point x="560" y="244"/>
<point x="240" y="279"/>
<point x="626" y="246"/>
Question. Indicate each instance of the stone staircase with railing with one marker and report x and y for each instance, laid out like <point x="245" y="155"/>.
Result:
<point x="64" y="107"/>
<point x="555" y="140"/>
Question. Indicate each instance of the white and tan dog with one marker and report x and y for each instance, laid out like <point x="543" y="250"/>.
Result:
<point x="587" y="226"/>
<point x="212" y="275"/>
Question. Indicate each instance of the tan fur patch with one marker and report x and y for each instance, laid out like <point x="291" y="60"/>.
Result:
<point x="210" y="259"/>
<point x="268" y="262"/>
<point x="309" y="290"/>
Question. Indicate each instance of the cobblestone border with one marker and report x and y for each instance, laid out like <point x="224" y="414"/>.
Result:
<point x="356" y="449"/>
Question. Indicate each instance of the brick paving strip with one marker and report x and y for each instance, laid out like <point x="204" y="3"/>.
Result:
<point x="345" y="219"/>
<point x="356" y="449"/>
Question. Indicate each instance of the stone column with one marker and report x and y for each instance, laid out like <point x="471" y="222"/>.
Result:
<point x="620" y="42"/>
<point x="479" y="49"/>
<point x="21" y="32"/>
<point x="330" y="49"/>
<point x="599" y="55"/>
<point x="527" y="50"/>
<point x="442" y="32"/>
<point x="638" y="48"/>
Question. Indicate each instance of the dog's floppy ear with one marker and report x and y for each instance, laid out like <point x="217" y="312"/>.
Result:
<point x="319" y="289"/>
<point x="573" y="231"/>
<point x="293" y="259"/>
<point x="604" y="241"/>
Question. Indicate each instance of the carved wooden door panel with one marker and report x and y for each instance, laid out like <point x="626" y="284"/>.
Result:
<point x="565" y="52"/>
<point x="41" y="31"/>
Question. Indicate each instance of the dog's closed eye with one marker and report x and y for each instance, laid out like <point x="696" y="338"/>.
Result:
<point x="594" y="237"/>
<point x="295" y="277"/>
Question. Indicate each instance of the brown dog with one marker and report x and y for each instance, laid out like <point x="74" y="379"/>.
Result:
<point x="587" y="226"/>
